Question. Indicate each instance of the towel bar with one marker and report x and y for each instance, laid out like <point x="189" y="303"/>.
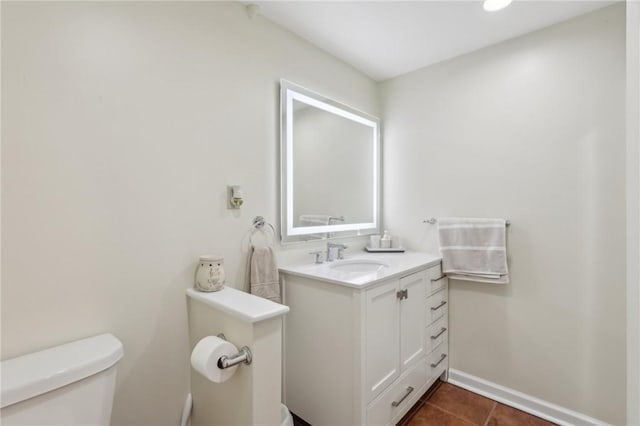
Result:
<point x="433" y="221"/>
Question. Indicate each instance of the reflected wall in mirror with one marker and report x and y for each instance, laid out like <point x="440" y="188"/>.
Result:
<point x="330" y="156"/>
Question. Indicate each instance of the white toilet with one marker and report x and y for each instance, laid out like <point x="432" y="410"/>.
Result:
<point x="71" y="384"/>
<point x="285" y="416"/>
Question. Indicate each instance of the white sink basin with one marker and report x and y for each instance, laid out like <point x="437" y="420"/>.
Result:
<point x="363" y="270"/>
<point x="359" y="265"/>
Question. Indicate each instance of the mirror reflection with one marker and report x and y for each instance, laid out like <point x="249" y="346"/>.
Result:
<point x="330" y="167"/>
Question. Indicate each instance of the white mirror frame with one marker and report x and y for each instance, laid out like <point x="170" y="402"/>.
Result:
<point x="288" y="93"/>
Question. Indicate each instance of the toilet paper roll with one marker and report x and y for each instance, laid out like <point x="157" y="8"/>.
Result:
<point x="205" y="356"/>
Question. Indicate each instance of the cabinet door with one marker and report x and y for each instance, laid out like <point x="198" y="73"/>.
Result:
<point x="412" y="317"/>
<point x="382" y="338"/>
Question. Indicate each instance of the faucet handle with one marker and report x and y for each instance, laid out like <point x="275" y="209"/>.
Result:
<point x="341" y="250"/>
<point x="318" y="256"/>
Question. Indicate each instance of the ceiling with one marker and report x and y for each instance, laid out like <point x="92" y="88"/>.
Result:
<point x="385" y="39"/>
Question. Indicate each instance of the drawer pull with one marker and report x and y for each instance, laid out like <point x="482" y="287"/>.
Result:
<point x="438" y="279"/>
<point x="434" y="365"/>
<point x="442" y="330"/>
<point x="396" y="403"/>
<point x="444" y="302"/>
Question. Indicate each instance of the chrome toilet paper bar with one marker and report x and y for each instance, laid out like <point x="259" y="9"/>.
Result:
<point x="229" y="361"/>
<point x="244" y="355"/>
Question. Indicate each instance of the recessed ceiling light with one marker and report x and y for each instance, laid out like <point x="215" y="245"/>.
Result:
<point x="493" y="5"/>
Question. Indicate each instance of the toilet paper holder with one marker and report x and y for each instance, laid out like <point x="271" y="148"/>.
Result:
<point x="229" y="361"/>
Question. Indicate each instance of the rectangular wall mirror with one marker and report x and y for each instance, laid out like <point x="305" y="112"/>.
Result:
<point x="330" y="156"/>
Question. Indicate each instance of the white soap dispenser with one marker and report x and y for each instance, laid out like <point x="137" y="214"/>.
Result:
<point x="385" y="241"/>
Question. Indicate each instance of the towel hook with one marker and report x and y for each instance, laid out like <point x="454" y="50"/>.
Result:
<point x="258" y="222"/>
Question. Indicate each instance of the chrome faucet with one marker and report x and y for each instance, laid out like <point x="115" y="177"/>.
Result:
<point x="330" y="247"/>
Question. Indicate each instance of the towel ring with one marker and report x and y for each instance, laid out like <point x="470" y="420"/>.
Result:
<point x="258" y="225"/>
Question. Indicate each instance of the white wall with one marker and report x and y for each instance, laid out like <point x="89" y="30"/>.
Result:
<point x="633" y="212"/>
<point x="123" y="123"/>
<point x="531" y="130"/>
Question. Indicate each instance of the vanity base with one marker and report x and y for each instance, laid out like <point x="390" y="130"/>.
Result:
<point x="364" y="356"/>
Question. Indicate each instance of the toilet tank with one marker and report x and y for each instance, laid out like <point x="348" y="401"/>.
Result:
<point x="70" y="384"/>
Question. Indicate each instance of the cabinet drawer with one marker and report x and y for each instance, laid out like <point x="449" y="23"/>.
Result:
<point x="437" y="305"/>
<point x="435" y="279"/>
<point x="436" y="334"/>
<point x="438" y="360"/>
<point x="394" y="402"/>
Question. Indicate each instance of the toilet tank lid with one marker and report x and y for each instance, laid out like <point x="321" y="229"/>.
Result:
<point x="33" y="374"/>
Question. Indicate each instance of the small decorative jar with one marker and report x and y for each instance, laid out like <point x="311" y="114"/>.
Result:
<point x="210" y="273"/>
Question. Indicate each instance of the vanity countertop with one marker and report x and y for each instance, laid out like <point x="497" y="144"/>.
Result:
<point x="396" y="265"/>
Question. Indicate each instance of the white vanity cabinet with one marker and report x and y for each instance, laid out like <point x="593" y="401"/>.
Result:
<point x="363" y="355"/>
<point x="393" y="341"/>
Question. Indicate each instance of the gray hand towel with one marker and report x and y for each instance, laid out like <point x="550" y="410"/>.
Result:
<point x="474" y="249"/>
<point x="264" y="278"/>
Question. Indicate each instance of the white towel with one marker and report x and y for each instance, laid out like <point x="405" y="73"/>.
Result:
<point x="314" y="219"/>
<point x="474" y="249"/>
<point x="264" y="278"/>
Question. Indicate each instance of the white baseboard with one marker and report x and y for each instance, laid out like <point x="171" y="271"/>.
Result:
<point x="521" y="401"/>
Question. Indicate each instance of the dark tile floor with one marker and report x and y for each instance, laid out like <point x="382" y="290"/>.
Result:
<point x="447" y="405"/>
